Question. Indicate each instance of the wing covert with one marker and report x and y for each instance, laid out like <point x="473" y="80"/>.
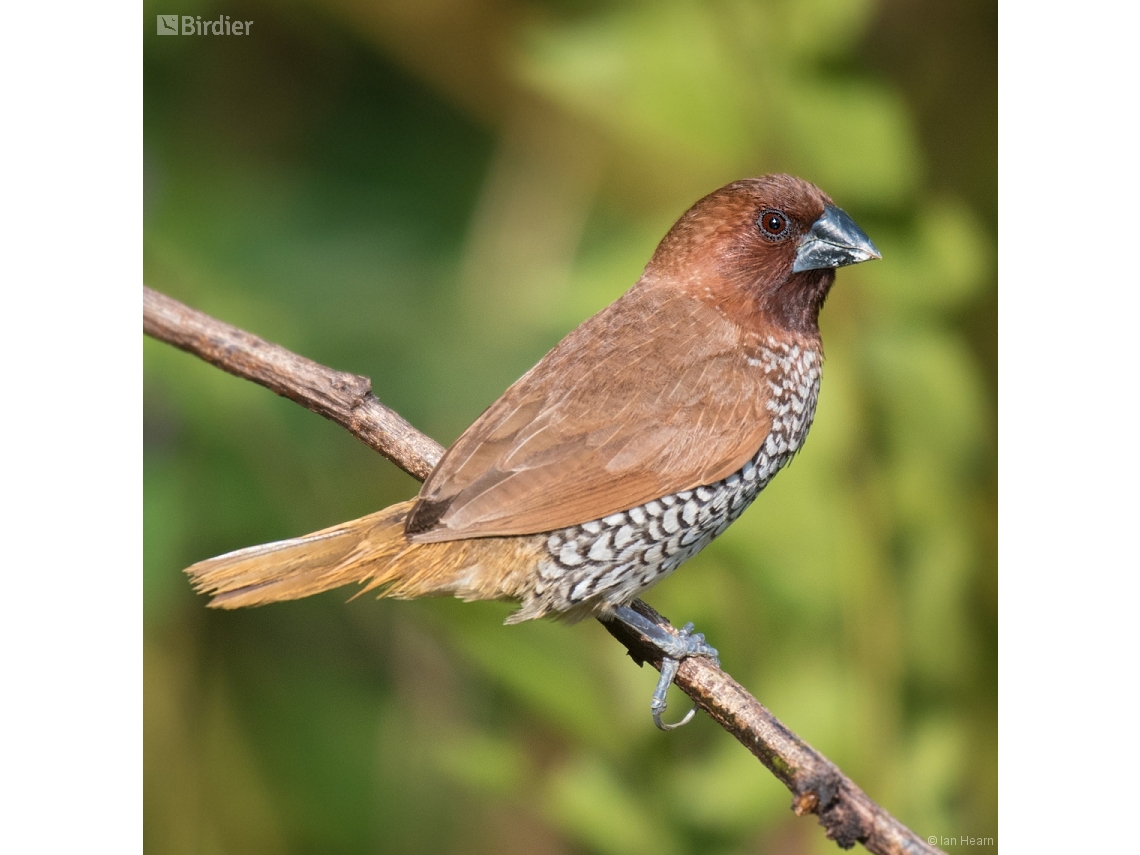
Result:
<point x="653" y="395"/>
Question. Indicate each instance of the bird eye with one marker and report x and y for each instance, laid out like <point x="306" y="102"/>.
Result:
<point x="774" y="224"/>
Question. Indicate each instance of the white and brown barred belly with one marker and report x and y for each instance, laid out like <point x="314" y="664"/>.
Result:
<point x="592" y="566"/>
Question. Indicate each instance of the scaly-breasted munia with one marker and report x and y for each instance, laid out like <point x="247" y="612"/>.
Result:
<point x="631" y="445"/>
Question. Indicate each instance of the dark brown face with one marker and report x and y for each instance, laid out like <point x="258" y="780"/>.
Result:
<point x="765" y="247"/>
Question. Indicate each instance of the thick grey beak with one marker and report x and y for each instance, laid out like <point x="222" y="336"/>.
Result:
<point x="833" y="241"/>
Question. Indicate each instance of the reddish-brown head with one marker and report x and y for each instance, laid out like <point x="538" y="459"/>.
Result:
<point x="763" y="250"/>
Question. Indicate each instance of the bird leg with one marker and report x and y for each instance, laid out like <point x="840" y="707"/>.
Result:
<point x="684" y="644"/>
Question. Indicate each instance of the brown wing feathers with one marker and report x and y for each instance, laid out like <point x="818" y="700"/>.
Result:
<point x="607" y="421"/>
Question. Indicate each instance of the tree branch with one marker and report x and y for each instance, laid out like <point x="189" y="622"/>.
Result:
<point x="341" y="397"/>
<point x="817" y="785"/>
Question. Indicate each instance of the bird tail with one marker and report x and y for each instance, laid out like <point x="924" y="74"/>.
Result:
<point x="371" y="551"/>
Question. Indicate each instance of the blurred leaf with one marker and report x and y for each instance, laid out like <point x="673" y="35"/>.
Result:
<point x="541" y="663"/>
<point x="852" y="138"/>
<point x="940" y="268"/>
<point x="932" y="392"/>
<point x="822" y="28"/>
<point x="656" y="74"/>
<point x="481" y="762"/>
<point x="727" y="791"/>
<point x="587" y="800"/>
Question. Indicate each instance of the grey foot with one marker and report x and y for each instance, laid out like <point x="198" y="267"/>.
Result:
<point x="684" y="644"/>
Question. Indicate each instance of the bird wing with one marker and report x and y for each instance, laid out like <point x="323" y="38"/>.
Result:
<point x="653" y="395"/>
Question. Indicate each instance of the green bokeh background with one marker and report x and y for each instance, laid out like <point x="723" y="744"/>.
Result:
<point x="432" y="194"/>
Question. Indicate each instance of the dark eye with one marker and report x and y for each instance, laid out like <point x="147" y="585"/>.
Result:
<point x="774" y="224"/>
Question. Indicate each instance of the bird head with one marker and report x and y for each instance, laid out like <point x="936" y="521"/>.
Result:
<point x="763" y="250"/>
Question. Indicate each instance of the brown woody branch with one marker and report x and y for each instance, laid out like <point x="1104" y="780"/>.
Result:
<point x="341" y="397"/>
<point x="817" y="785"/>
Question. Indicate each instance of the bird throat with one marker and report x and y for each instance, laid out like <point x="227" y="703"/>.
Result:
<point x="795" y="303"/>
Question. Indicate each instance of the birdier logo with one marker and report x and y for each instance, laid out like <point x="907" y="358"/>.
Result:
<point x="193" y="25"/>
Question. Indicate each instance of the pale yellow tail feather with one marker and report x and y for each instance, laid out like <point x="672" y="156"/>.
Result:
<point x="371" y="551"/>
<point x="290" y="569"/>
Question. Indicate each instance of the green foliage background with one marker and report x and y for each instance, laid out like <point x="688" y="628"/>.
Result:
<point x="432" y="194"/>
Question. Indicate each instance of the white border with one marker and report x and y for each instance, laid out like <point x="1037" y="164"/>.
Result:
<point x="1068" y="435"/>
<point x="70" y="264"/>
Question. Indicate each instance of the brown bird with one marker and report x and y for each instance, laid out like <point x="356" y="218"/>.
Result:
<point x="631" y="445"/>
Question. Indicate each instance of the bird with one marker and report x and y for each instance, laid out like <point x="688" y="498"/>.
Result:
<point x="631" y="445"/>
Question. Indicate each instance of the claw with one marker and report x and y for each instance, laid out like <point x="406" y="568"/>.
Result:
<point x="657" y="706"/>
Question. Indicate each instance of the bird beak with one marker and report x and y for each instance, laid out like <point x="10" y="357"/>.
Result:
<point x="833" y="241"/>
